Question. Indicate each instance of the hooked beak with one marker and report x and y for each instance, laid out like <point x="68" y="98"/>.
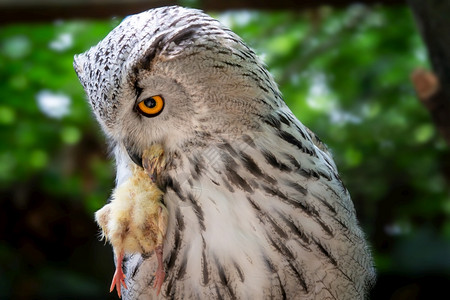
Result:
<point x="136" y="158"/>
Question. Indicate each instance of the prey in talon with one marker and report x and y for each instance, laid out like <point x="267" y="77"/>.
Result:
<point x="135" y="220"/>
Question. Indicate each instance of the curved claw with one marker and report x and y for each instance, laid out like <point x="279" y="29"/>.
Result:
<point x="119" y="277"/>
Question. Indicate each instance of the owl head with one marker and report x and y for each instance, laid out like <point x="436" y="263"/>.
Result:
<point x="172" y="76"/>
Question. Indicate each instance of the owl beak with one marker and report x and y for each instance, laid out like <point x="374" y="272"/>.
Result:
<point x="136" y="158"/>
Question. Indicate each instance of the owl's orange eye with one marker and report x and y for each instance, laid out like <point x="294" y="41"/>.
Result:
<point x="151" y="107"/>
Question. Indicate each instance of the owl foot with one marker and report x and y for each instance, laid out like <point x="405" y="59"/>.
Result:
<point x="160" y="274"/>
<point x="119" y="277"/>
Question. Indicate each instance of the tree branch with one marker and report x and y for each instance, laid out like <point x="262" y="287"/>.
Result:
<point x="49" y="10"/>
<point x="433" y="88"/>
<point x="288" y="4"/>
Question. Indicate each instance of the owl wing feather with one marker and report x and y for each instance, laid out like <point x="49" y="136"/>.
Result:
<point x="257" y="216"/>
<point x="256" y="206"/>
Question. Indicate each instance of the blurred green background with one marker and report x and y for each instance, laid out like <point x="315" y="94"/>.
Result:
<point x="344" y="73"/>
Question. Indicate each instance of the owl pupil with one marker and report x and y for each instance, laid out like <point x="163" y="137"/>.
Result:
<point x="150" y="102"/>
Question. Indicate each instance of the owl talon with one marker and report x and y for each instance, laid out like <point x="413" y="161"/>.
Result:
<point x="119" y="277"/>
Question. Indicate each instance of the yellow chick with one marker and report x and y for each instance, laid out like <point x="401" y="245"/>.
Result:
<point x="135" y="220"/>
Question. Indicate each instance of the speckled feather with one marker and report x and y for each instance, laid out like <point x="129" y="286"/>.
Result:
<point x="256" y="206"/>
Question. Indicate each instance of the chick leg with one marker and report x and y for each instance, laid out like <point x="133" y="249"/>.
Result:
<point x="119" y="277"/>
<point x="160" y="274"/>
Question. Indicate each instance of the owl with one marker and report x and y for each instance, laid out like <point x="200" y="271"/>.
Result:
<point x="256" y="207"/>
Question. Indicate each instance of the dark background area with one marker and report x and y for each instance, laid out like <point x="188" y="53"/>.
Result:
<point x="344" y="69"/>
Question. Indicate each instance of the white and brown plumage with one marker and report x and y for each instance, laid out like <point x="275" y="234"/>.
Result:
<point x="256" y="208"/>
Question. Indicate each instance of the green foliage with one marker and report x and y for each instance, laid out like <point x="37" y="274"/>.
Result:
<point x="344" y="73"/>
<point x="41" y="143"/>
<point x="53" y="168"/>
